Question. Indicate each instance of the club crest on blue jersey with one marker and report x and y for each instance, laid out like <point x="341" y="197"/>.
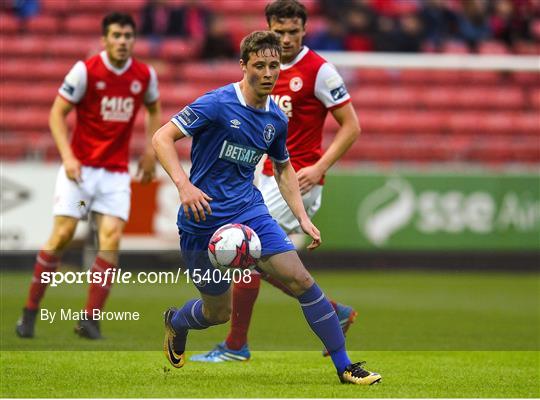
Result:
<point x="269" y="133"/>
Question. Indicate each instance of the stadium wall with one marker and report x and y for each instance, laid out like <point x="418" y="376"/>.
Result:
<point x="370" y="218"/>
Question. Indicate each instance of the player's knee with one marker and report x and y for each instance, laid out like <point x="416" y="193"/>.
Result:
<point x="109" y="238"/>
<point x="301" y="282"/>
<point x="61" y="237"/>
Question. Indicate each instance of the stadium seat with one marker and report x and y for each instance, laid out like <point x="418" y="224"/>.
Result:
<point x="481" y="77"/>
<point x="535" y="98"/>
<point x="19" y="69"/>
<point x="15" y="119"/>
<point x="179" y="95"/>
<point x="419" y="76"/>
<point x="492" y="47"/>
<point x="527" y="78"/>
<point x="176" y="50"/>
<point x="10" y="23"/>
<point x="132" y="6"/>
<point x="527" y="48"/>
<point x="56" y="6"/>
<point x="24" y="93"/>
<point x="84" y="24"/>
<point x="455" y="48"/>
<point x="44" y="24"/>
<point x="248" y="7"/>
<point x="22" y="46"/>
<point x="216" y="73"/>
<point x="13" y="148"/>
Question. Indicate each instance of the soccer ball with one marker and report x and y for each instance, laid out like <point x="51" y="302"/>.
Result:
<point x="234" y="246"/>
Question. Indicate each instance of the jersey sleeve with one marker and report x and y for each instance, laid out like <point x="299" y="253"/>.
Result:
<point x="152" y="92"/>
<point x="329" y="87"/>
<point x="74" y="86"/>
<point x="278" y="149"/>
<point x="195" y="118"/>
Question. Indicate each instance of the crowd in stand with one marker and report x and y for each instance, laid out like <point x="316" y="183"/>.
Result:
<point x="373" y="25"/>
<point x="425" y="25"/>
<point x="354" y="25"/>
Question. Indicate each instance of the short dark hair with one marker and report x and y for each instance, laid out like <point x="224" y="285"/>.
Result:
<point x="119" y="18"/>
<point x="285" y="9"/>
<point x="259" y="41"/>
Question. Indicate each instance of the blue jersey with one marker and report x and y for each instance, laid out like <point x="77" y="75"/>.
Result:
<point x="229" y="139"/>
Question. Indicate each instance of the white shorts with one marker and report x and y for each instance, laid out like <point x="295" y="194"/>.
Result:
<point x="279" y="209"/>
<point x="101" y="191"/>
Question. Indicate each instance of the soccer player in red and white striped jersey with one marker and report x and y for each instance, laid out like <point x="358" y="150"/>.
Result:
<point x="106" y="91"/>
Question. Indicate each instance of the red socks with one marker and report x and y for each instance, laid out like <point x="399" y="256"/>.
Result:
<point x="243" y="300"/>
<point x="45" y="262"/>
<point x="98" y="292"/>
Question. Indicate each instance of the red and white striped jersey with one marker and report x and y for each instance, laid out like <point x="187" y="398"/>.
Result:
<point x="306" y="89"/>
<point x="107" y="100"/>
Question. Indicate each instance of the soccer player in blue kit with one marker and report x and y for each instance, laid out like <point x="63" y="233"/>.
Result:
<point x="232" y="127"/>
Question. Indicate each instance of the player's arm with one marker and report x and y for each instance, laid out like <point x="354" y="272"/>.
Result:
<point x="147" y="163"/>
<point x="349" y="130"/>
<point x="59" y="130"/>
<point x="288" y="186"/>
<point x="191" y="197"/>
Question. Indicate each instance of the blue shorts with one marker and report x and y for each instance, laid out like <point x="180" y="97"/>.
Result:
<point x="195" y="251"/>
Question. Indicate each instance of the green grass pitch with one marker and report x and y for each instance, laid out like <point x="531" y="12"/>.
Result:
<point x="428" y="334"/>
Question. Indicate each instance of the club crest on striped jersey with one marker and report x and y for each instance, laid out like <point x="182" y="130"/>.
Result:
<point x="296" y="83"/>
<point x="135" y="87"/>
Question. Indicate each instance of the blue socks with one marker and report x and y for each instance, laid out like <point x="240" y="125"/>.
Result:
<point x="190" y="316"/>
<point x="324" y="322"/>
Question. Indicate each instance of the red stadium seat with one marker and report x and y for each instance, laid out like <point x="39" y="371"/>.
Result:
<point x="526" y="122"/>
<point x="214" y="73"/>
<point x="44" y="24"/>
<point x="178" y="96"/>
<point x="248" y="7"/>
<point x="30" y="46"/>
<point x="481" y="77"/>
<point x="98" y="7"/>
<point x="527" y="48"/>
<point x="56" y="6"/>
<point x="10" y="23"/>
<point x="34" y="95"/>
<point x="84" y="24"/>
<point x="455" y="48"/>
<point x="527" y="78"/>
<point x="492" y="47"/>
<point x="22" y="46"/>
<point x="17" y="119"/>
<point x="132" y="6"/>
<point x="22" y="70"/>
<point x="179" y="50"/>
<point x="535" y="98"/>
<point x="13" y="148"/>
<point x="419" y="76"/>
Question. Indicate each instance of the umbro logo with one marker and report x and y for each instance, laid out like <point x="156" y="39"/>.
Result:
<point x="235" y="123"/>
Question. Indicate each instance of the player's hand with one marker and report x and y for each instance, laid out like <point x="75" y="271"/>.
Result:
<point x="146" y="169"/>
<point x="194" y="199"/>
<point x="311" y="230"/>
<point x="72" y="166"/>
<point x="308" y="177"/>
